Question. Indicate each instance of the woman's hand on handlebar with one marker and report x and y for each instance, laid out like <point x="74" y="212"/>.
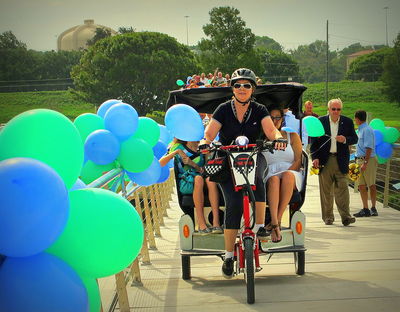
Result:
<point x="280" y="144"/>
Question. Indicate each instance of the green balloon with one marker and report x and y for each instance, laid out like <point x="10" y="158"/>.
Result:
<point x="87" y="123"/>
<point x="103" y="235"/>
<point x="390" y="135"/>
<point x="313" y="126"/>
<point x="93" y="292"/>
<point x="377" y="124"/>
<point x="45" y="135"/>
<point x="91" y="171"/>
<point x="180" y="83"/>
<point x="381" y="160"/>
<point x="147" y="130"/>
<point x="136" y="155"/>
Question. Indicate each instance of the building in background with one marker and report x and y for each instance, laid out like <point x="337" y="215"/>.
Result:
<point x="76" y="37"/>
<point x="352" y="57"/>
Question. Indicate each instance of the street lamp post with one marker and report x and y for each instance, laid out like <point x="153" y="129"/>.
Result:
<point x="386" y="8"/>
<point x="187" y="30"/>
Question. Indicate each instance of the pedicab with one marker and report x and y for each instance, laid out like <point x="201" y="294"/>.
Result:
<point x="243" y="162"/>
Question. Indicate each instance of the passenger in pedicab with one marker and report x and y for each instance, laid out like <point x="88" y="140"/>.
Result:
<point x="241" y="116"/>
<point x="191" y="162"/>
<point x="283" y="176"/>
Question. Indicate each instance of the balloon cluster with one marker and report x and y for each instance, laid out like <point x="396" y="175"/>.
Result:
<point x="384" y="138"/>
<point x="354" y="171"/>
<point x="57" y="239"/>
<point x="117" y="136"/>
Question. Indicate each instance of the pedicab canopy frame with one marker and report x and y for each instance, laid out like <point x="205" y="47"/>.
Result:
<point x="206" y="100"/>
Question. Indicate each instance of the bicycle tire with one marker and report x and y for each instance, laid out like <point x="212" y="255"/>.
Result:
<point x="249" y="269"/>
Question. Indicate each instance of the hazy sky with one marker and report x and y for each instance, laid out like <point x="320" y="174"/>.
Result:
<point x="290" y="22"/>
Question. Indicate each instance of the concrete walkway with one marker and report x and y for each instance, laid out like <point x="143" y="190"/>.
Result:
<point x="354" y="268"/>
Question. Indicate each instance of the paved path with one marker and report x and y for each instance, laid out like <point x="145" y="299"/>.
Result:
<point x="355" y="268"/>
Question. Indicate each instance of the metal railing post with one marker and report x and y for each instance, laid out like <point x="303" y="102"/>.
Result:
<point x="387" y="185"/>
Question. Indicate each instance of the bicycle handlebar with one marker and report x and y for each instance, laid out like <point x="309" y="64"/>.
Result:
<point x="260" y="146"/>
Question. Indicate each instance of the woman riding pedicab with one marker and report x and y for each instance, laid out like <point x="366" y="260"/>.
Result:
<point x="241" y="116"/>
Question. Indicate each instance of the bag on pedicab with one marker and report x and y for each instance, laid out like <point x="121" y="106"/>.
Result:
<point x="218" y="168"/>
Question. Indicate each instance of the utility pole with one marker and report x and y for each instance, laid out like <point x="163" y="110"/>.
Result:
<point x="386" y="8"/>
<point x="187" y="30"/>
<point x="327" y="63"/>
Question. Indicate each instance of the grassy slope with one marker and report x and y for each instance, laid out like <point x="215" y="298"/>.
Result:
<point x="355" y="95"/>
<point x="12" y="104"/>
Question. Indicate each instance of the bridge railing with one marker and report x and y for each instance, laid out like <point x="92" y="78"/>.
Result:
<point x="151" y="203"/>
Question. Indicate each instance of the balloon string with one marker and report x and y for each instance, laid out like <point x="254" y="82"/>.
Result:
<point x="330" y="137"/>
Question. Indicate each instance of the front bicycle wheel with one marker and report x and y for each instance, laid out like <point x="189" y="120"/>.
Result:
<point x="249" y="269"/>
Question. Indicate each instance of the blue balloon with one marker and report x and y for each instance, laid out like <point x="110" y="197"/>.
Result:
<point x="102" y="147"/>
<point x="148" y="176"/>
<point x="165" y="135"/>
<point x="41" y="283"/>
<point x="78" y="185"/>
<point x="378" y="137"/>
<point x="384" y="150"/>
<point x="170" y="164"/>
<point x="184" y="123"/>
<point x="122" y="120"/>
<point x="105" y="106"/>
<point x="159" y="149"/>
<point x="34" y="206"/>
<point x="216" y="139"/>
<point x="164" y="173"/>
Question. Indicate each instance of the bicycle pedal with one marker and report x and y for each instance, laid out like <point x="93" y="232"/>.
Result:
<point x="258" y="269"/>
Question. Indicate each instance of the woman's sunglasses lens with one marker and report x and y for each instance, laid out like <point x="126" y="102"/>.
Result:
<point x="244" y="85"/>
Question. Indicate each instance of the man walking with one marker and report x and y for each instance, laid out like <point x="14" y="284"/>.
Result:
<point x="365" y="157"/>
<point x="331" y="154"/>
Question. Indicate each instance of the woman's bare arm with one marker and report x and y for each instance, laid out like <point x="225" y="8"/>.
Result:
<point x="297" y="149"/>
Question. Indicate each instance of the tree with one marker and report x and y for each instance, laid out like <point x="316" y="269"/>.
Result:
<point x="279" y="67"/>
<point x="229" y="40"/>
<point x="138" y="68"/>
<point x="391" y="73"/>
<point x="16" y="62"/>
<point x="368" y="67"/>
<point x="312" y="60"/>
<point x="267" y="43"/>
<point x="126" y="30"/>
<point x="100" y="33"/>
<point x="53" y="65"/>
<point x="9" y="41"/>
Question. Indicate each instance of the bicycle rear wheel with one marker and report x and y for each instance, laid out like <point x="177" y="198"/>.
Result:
<point x="249" y="269"/>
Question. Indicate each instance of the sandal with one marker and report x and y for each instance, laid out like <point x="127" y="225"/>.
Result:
<point x="269" y="226"/>
<point x="275" y="228"/>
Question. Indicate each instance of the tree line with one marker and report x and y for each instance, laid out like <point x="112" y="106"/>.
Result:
<point x="140" y="67"/>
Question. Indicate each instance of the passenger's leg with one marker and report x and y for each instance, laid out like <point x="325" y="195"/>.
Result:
<point x="273" y="202"/>
<point x="286" y="191"/>
<point x="214" y="201"/>
<point x="198" y="199"/>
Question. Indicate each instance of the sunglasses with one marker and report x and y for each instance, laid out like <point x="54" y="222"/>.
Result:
<point x="276" y="118"/>
<point x="336" y="109"/>
<point x="243" y="85"/>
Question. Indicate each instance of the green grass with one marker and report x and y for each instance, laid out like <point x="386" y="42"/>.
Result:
<point x="14" y="103"/>
<point x="355" y="95"/>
